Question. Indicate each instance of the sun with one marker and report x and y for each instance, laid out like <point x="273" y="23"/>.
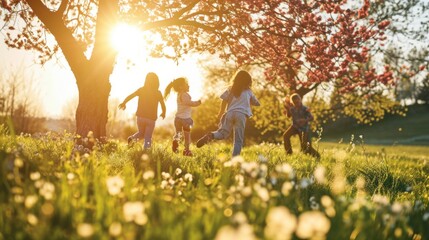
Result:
<point x="126" y="38"/>
<point x="134" y="62"/>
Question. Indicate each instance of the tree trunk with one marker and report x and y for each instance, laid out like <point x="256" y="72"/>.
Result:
<point x="91" y="112"/>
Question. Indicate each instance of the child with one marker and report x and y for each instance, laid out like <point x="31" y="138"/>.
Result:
<point x="147" y="109"/>
<point x="236" y="100"/>
<point x="182" y="121"/>
<point x="301" y="118"/>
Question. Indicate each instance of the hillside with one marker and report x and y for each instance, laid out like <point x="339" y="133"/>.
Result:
<point x="412" y="129"/>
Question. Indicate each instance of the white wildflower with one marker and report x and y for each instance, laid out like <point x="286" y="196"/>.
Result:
<point x="71" y="176"/>
<point x="313" y="224"/>
<point x="30" y="201"/>
<point x="145" y="157"/>
<point x="115" y="229"/>
<point x="244" y="231"/>
<point x="47" y="190"/>
<point x="165" y="175"/>
<point x="280" y="224"/>
<point x="164" y="184"/>
<point x="32" y="219"/>
<point x="35" y="176"/>
<point x="287" y="169"/>
<point x="134" y="211"/>
<point x="319" y="174"/>
<point x="85" y="230"/>
<point x="380" y="199"/>
<point x="262" y="192"/>
<point x="114" y="185"/>
<point x="188" y="177"/>
<point x="286" y="188"/>
<point x="149" y="174"/>
<point x="178" y="171"/>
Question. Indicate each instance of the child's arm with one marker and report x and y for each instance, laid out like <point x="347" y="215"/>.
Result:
<point x="287" y="107"/>
<point x="164" y="109"/>
<point x="254" y="101"/>
<point x="131" y="96"/>
<point x="186" y="100"/>
<point x="222" y="108"/>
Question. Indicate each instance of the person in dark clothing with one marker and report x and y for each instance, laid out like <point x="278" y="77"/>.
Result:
<point x="301" y="118"/>
<point x="147" y="109"/>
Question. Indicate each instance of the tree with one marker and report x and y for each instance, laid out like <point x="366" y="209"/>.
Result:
<point x="20" y="102"/>
<point x="423" y="91"/>
<point x="302" y="43"/>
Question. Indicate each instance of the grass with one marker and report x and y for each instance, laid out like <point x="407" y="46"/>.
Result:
<point x="52" y="190"/>
<point x="393" y="130"/>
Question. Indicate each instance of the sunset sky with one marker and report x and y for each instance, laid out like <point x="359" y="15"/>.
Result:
<point x="56" y="84"/>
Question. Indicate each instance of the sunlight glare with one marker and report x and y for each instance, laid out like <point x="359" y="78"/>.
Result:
<point x="126" y="38"/>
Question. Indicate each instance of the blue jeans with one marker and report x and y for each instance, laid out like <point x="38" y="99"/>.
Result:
<point x="145" y="129"/>
<point x="232" y="121"/>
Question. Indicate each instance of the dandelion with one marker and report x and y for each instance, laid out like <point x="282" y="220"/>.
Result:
<point x="148" y="175"/>
<point x="286" y="188"/>
<point x="30" y="201"/>
<point x="280" y="224"/>
<point x="134" y="211"/>
<point x="396" y="208"/>
<point x="47" y="190"/>
<point x="171" y="182"/>
<point x="380" y="199"/>
<point x="244" y="231"/>
<point x="114" y="185"/>
<point x="286" y="169"/>
<point x="32" y="219"/>
<point x="312" y="224"/>
<point x="85" y="230"/>
<point x="339" y="182"/>
<point x="262" y="192"/>
<point x="250" y="168"/>
<point x="234" y="161"/>
<point x="188" y="177"/>
<point x="18" y="162"/>
<point x="319" y="174"/>
<point x="240" y="218"/>
<point x="246" y="191"/>
<point x="115" y="229"/>
<point x="145" y="157"/>
<point x="35" y="176"/>
<point x="165" y="175"/>
<point x="178" y="171"/>
<point x="164" y="184"/>
<point x="70" y="176"/>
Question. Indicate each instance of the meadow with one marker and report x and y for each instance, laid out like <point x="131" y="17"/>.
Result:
<point x="51" y="189"/>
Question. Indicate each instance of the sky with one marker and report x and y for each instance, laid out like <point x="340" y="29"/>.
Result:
<point x="56" y="85"/>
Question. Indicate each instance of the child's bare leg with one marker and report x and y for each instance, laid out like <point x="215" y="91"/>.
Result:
<point x="187" y="136"/>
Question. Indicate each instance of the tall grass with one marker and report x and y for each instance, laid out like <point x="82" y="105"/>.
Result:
<point x="50" y="190"/>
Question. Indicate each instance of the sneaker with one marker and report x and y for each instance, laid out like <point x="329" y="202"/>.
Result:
<point x="187" y="153"/>
<point x="175" y="146"/>
<point x="204" y="140"/>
